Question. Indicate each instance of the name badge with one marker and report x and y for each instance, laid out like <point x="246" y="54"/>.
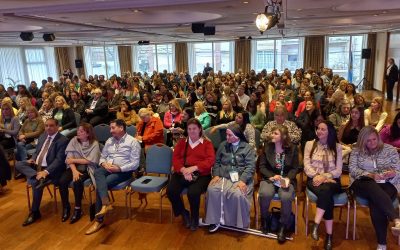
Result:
<point x="234" y="176"/>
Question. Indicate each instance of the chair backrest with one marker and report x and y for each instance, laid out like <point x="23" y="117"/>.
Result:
<point x="131" y="130"/>
<point x="165" y="133"/>
<point x="102" y="132"/>
<point x="159" y="159"/>
<point x="257" y="138"/>
<point x="181" y="102"/>
<point x="77" y="119"/>
<point x="215" y="138"/>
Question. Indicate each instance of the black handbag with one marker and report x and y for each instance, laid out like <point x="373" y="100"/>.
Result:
<point x="273" y="221"/>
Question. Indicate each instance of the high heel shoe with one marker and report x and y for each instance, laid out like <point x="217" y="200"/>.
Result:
<point x="66" y="214"/>
<point x="314" y="232"/>
<point x="76" y="215"/>
<point x="328" y="242"/>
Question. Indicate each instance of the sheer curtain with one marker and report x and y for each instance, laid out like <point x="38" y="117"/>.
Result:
<point x="11" y="67"/>
<point x="101" y="60"/>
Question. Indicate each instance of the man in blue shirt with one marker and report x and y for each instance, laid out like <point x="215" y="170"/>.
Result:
<point x="119" y="158"/>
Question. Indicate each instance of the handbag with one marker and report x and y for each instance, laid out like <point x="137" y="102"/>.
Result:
<point x="273" y="221"/>
<point x="195" y="174"/>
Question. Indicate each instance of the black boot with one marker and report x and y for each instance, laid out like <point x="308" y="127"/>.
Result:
<point x="186" y="218"/>
<point x="76" y="215"/>
<point x="66" y="214"/>
<point x="281" y="235"/>
<point x="264" y="226"/>
<point x="328" y="242"/>
<point x="194" y="223"/>
<point x="314" y="232"/>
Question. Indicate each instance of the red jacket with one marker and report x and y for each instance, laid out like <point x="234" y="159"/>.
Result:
<point x="153" y="133"/>
<point x="168" y="119"/>
<point x="202" y="156"/>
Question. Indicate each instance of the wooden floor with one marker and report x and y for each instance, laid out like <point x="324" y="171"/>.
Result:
<point x="145" y="231"/>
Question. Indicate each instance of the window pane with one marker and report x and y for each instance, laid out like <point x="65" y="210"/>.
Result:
<point x="95" y="63"/>
<point x="145" y="58"/>
<point x="202" y="55"/>
<point x="223" y="54"/>
<point x="112" y="60"/>
<point x="358" y="63"/>
<point x="264" y="55"/>
<point x="288" y="55"/>
<point x="164" y="57"/>
<point x="36" y="64"/>
<point x="338" y="55"/>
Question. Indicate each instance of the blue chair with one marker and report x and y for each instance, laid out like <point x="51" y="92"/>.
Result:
<point x="131" y="130"/>
<point x="181" y="101"/>
<point x="158" y="161"/>
<point x="276" y="199"/>
<point x="122" y="186"/>
<point x="215" y="138"/>
<point x="361" y="202"/>
<point x="102" y="132"/>
<point x="29" y="184"/>
<point x="340" y="200"/>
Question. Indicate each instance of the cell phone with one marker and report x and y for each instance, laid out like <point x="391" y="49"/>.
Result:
<point x="146" y="181"/>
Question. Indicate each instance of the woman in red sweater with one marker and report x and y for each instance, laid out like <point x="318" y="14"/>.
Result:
<point x="192" y="161"/>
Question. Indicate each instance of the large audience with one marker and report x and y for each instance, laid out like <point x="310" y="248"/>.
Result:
<point x="308" y="121"/>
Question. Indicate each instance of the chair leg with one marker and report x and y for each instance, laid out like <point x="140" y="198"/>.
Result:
<point x="112" y="196"/>
<point x="55" y="198"/>
<point x="126" y="203"/>
<point x="160" y="206"/>
<point x="354" y="220"/>
<point x="306" y="211"/>
<point x="48" y="189"/>
<point x="348" y="220"/>
<point x="296" y="217"/>
<point x="340" y="213"/>
<point x="28" y="196"/>
<point x="255" y="202"/>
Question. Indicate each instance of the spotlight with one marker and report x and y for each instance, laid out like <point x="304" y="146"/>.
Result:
<point x="270" y="17"/>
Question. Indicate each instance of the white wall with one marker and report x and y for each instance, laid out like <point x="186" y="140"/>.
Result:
<point x="380" y="63"/>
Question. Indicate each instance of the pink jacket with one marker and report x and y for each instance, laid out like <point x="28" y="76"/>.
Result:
<point x="385" y="136"/>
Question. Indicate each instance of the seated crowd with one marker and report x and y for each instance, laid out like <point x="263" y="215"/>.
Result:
<point x="316" y="115"/>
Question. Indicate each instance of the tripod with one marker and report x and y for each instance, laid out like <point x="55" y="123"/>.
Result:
<point x="360" y="85"/>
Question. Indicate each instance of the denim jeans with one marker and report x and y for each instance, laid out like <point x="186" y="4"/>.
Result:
<point x="22" y="149"/>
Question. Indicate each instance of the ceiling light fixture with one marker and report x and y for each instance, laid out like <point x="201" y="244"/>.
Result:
<point x="270" y="17"/>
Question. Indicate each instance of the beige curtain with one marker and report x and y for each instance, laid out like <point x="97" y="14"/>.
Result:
<point x="79" y="56"/>
<point x="181" y="57"/>
<point x="62" y="59"/>
<point x="242" y="55"/>
<point x="125" y="58"/>
<point x="314" y="47"/>
<point x="370" y="63"/>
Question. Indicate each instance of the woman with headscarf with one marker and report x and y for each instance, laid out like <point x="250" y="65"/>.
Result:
<point x="230" y="191"/>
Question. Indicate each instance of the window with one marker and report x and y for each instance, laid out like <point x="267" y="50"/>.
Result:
<point x="218" y="54"/>
<point x="101" y="60"/>
<point x="277" y="54"/>
<point x="343" y="55"/>
<point x="148" y="58"/>
<point x="25" y="64"/>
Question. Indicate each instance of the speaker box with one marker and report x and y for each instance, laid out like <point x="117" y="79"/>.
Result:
<point x="49" y="37"/>
<point x="209" y="31"/>
<point x="197" y="27"/>
<point x="78" y="63"/>
<point x="26" y="36"/>
<point x="366" y="53"/>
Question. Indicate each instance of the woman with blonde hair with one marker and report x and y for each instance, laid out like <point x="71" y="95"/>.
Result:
<point x="31" y="129"/>
<point x="173" y="115"/>
<point x="374" y="115"/>
<point x="9" y="127"/>
<point x="202" y="115"/>
<point x="374" y="167"/>
<point x="227" y="114"/>
<point x="65" y="116"/>
<point x="24" y="103"/>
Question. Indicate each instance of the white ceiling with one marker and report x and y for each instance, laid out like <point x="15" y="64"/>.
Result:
<point x="128" y="21"/>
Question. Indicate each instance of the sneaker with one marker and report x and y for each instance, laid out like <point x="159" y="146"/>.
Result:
<point x="396" y="227"/>
<point x="213" y="228"/>
<point x="381" y="247"/>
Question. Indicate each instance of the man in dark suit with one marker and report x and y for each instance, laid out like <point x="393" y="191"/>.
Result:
<point x="392" y="76"/>
<point x="96" y="111"/>
<point x="46" y="165"/>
